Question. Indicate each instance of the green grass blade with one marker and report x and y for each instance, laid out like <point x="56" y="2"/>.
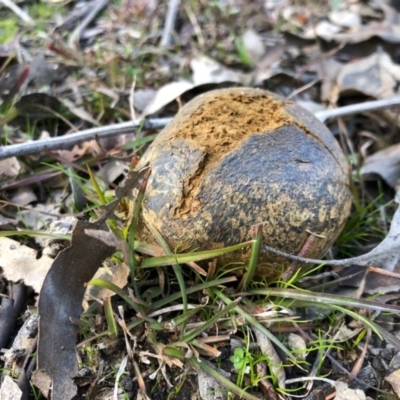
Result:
<point x="251" y="320"/>
<point x="206" y="285"/>
<point x="133" y="144"/>
<point x="114" y="288"/>
<point x="171" y="351"/>
<point x="109" y="314"/>
<point x="189" y="257"/>
<point x="176" y="267"/>
<point x="35" y="234"/>
<point x="382" y="333"/>
<point x="226" y="383"/>
<point x="195" y="332"/>
<point x="132" y="232"/>
<point x="96" y="186"/>
<point x="184" y="317"/>
<point x="326" y="299"/>
<point x="255" y="253"/>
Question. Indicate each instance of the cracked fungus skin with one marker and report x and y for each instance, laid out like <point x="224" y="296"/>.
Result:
<point x="236" y="157"/>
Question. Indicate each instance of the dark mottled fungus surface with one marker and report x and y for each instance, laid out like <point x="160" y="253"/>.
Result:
<point x="236" y="157"/>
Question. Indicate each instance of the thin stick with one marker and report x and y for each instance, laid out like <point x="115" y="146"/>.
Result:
<point x="18" y="11"/>
<point x="96" y="7"/>
<point x="68" y="141"/>
<point x="166" y="39"/>
<point x="357" y="108"/>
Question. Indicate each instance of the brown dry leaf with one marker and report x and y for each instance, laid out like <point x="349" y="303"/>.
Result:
<point x="165" y="95"/>
<point x="80" y="112"/>
<point x="60" y="299"/>
<point x="42" y="381"/>
<point x="206" y="70"/>
<point x="298" y="345"/>
<point x="209" y="387"/>
<point x="19" y="262"/>
<point x="10" y="390"/>
<point x="90" y="147"/>
<point x="23" y="196"/>
<point x="384" y="163"/>
<point x="268" y="350"/>
<point x="62" y="294"/>
<point x="375" y="282"/>
<point x="376" y="75"/>
<point x="269" y="65"/>
<point x="115" y="273"/>
<point x="394" y="380"/>
<point x="40" y="216"/>
<point x="343" y="392"/>
<point x="393" y="376"/>
<point x="328" y="73"/>
<point x="9" y="168"/>
<point x="112" y="170"/>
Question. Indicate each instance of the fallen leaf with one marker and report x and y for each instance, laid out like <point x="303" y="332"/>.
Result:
<point x="376" y="75"/>
<point x="165" y="95"/>
<point x="23" y="196"/>
<point x="19" y="262"/>
<point x="80" y="112"/>
<point x="343" y="392"/>
<point x="40" y="216"/>
<point x="206" y="70"/>
<point x="42" y="381"/>
<point x="115" y="273"/>
<point x="384" y="163"/>
<point x="61" y="298"/>
<point x="63" y="291"/>
<point x="9" y="168"/>
<point x="268" y="350"/>
<point x="394" y="380"/>
<point x="10" y="390"/>
<point x="393" y="376"/>
<point x="210" y="388"/>
<point x="143" y="97"/>
<point x="298" y="345"/>
<point x="375" y="281"/>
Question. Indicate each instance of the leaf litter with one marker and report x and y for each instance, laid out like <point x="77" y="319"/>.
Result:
<point x="73" y="76"/>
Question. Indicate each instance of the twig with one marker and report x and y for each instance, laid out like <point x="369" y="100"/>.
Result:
<point x="357" y="108"/>
<point x="173" y="6"/>
<point x="77" y="33"/>
<point x="132" y="99"/>
<point x="362" y="261"/>
<point x="68" y="141"/>
<point x="18" y="11"/>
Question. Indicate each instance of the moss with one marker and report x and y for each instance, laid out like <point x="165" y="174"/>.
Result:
<point x="8" y="29"/>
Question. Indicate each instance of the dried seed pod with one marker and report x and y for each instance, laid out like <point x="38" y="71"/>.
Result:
<point x="236" y="157"/>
